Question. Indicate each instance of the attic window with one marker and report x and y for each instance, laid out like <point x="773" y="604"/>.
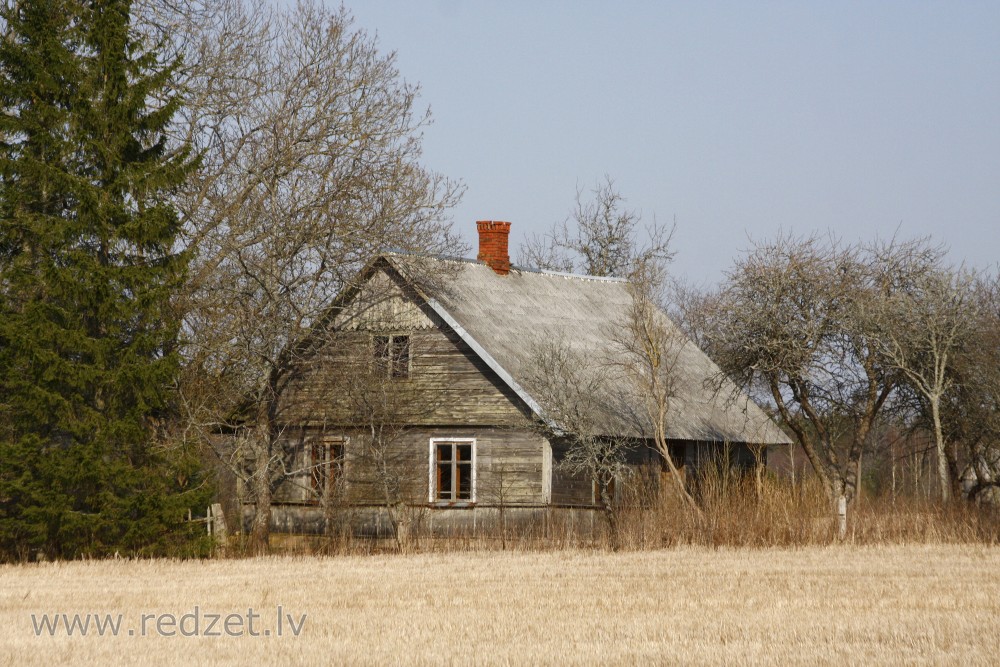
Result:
<point x="453" y="471"/>
<point x="392" y="355"/>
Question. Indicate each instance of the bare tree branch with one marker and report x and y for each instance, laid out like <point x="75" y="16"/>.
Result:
<point x="601" y="237"/>
<point x="311" y="164"/>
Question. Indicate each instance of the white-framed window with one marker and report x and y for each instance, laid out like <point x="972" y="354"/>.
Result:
<point x="452" y="470"/>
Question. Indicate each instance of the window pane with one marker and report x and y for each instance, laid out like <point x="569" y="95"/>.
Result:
<point x="400" y="356"/>
<point x="464" y="481"/>
<point x="335" y="468"/>
<point x="444" y="452"/>
<point x="380" y="350"/>
<point x="319" y="468"/>
<point x="464" y="452"/>
<point x="337" y="454"/>
<point x="444" y="481"/>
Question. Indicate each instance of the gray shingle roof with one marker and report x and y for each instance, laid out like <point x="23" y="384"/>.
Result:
<point x="507" y="319"/>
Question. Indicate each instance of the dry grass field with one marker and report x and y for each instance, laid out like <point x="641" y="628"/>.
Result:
<point x="843" y="605"/>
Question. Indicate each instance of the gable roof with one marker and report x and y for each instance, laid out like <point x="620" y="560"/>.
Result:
<point x="505" y="320"/>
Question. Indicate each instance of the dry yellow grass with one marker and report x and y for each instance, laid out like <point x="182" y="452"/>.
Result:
<point x="844" y="605"/>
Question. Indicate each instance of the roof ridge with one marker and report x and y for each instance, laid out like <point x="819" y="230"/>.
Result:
<point x="581" y="276"/>
<point x="424" y="255"/>
<point x="523" y="269"/>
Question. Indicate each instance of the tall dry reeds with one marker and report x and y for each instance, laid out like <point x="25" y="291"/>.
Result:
<point x="735" y="510"/>
<point x="740" y="510"/>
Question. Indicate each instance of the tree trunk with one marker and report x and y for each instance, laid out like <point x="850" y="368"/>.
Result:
<point x="260" y="529"/>
<point x="758" y="470"/>
<point x="892" y="461"/>
<point x="394" y="506"/>
<point x="400" y="527"/>
<point x="678" y="479"/>
<point x="943" y="477"/>
<point x="954" y="470"/>
<point x="262" y="444"/>
<point x="842" y="518"/>
<point x="791" y="459"/>
<point x="610" y="514"/>
<point x="840" y="500"/>
<point x="857" y="476"/>
<point x="850" y="477"/>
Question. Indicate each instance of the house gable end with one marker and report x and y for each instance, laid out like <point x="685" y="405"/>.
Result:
<point x="455" y="382"/>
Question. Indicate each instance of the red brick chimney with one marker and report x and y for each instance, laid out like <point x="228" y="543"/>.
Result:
<point x="493" y="245"/>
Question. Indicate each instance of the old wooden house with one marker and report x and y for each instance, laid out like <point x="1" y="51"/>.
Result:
<point x="425" y="400"/>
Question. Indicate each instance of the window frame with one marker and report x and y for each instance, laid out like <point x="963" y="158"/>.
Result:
<point x="432" y="490"/>
<point x="595" y="492"/>
<point x="332" y="470"/>
<point x="385" y="359"/>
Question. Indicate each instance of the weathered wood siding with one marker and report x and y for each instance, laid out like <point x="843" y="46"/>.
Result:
<point x="567" y="489"/>
<point x="740" y="456"/>
<point x="509" y="468"/>
<point x="646" y="467"/>
<point x="578" y="490"/>
<point x="447" y="385"/>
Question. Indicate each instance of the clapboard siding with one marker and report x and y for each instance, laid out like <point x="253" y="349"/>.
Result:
<point x="578" y="490"/>
<point x="509" y="467"/>
<point x="447" y="385"/>
<point x="569" y="489"/>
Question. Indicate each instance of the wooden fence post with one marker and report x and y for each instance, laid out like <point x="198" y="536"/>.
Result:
<point x="842" y="517"/>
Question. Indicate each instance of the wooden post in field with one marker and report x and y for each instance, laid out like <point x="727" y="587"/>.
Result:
<point x="842" y="517"/>
<point x="758" y="469"/>
<point x="857" y="478"/>
<point x="791" y="458"/>
<point x="892" y="459"/>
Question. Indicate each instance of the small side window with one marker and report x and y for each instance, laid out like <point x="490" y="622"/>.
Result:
<point x="326" y="467"/>
<point x="599" y="495"/>
<point x="392" y="355"/>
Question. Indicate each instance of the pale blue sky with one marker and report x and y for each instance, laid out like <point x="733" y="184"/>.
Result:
<point x="736" y="118"/>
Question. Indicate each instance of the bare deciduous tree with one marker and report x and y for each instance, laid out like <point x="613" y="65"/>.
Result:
<point x="311" y="149"/>
<point x="795" y="323"/>
<point x="499" y="490"/>
<point x="924" y="325"/>
<point x="694" y="309"/>
<point x="584" y="413"/>
<point x="971" y="410"/>
<point x="601" y="237"/>
<point x="649" y="345"/>
<point x="382" y="409"/>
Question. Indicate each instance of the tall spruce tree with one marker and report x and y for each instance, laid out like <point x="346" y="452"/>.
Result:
<point x="87" y="269"/>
